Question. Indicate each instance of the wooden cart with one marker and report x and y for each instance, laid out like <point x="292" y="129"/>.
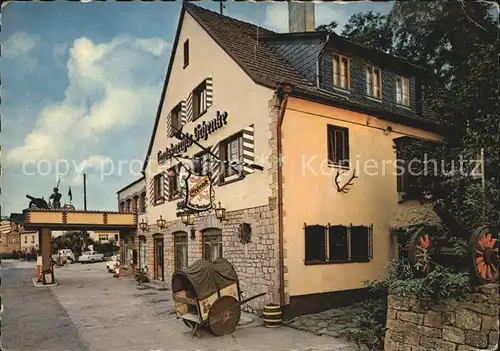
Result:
<point x="208" y="294"/>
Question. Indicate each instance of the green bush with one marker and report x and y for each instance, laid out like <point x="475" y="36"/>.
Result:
<point x="141" y="276"/>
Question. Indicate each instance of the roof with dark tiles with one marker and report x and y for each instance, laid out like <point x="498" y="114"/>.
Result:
<point x="246" y="44"/>
<point x="241" y="40"/>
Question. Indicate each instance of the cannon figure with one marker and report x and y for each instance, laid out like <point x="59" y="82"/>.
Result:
<point x="426" y="247"/>
<point x="37" y="203"/>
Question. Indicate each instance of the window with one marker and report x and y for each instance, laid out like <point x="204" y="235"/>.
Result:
<point x="122" y="206"/>
<point x="232" y="157"/>
<point x="338" y="244"/>
<point x="403" y="91"/>
<point x="174" y="183"/>
<point x="158" y="189"/>
<point x="201" y="163"/>
<point x="32" y="239"/>
<point x="338" y="146"/>
<point x="200" y="100"/>
<point x="128" y="205"/>
<point x="181" y="250"/>
<point x="315" y="244"/>
<point x="135" y="201"/>
<point x="374" y="82"/>
<point x="25" y="239"/>
<point x="175" y="120"/>
<point x="103" y="237"/>
<point x="341" y="72"/>
<point x="212" y="244"/>
<point x="116" y="237"/>
<point x="142" y="202"/>
<point x="186" y="53"/>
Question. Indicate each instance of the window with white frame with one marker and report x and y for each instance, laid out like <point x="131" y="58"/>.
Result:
<point x="200" y="100"/>
<point x="374" y="82"/>
<point x="232" y="158"/>
<point x="403" y="91"/>
<point x="341" y="68"/>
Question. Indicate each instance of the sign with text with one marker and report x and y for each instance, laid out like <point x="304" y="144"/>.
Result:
<point x="201" y="131"/>
<point x="198" y="193"/>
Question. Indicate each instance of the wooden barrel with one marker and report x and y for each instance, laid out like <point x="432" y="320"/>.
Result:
<point x="272" y="316"/>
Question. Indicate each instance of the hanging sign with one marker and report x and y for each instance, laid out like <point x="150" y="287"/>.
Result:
<point x="198" y="193"/>
<point x="201" y="131"/>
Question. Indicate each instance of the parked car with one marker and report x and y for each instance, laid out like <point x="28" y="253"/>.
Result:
<point x="55" y="258"/>
<point x="110" y="265"/>
<point x="68" y="253"/>
<point x="91" y="256"/>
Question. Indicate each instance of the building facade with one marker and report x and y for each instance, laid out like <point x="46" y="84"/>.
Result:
<point x="133" y="251"/>
<point x="29" y="241"/>
<point x="9" y="240"/>
<point x="284" y="127"/>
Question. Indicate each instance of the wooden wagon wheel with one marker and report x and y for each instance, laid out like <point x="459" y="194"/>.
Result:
<point x="224" y="315"/>
<point x="418" y="252"/>
<point x="483" y="251"/>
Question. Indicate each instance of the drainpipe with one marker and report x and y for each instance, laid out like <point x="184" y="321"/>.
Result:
<point x="282" y="105"/>
<point x="317" y="59"/>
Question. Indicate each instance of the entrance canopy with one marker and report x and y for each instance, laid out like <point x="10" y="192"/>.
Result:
<point x="76" y="220"/>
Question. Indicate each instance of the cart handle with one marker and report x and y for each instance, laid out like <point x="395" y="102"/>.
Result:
<point x="252" y="297"/>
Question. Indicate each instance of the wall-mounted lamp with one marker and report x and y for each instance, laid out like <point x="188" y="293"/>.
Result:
<point x="143" y="225"/>
<point x="220" y="213"/>
<point x="161" y="222"/>
<point x="388" y="130"/>
<point x="187" y="219"/>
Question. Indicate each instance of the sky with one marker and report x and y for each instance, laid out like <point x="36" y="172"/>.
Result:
<point x="81" y="84"/>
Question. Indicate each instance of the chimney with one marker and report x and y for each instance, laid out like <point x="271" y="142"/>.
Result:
<point x="301" y="16"/>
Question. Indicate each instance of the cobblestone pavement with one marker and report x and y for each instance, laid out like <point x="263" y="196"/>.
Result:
<point x="337" y="323"/>
<point x="111" y="314"/>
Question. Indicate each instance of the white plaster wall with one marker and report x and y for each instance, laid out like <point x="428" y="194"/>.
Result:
<point x="234" y="92"/>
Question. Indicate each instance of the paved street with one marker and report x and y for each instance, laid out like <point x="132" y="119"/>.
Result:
<point x="90" y="310"/>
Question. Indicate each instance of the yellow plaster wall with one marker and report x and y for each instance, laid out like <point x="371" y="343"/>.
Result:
<point x="310" y="194"/>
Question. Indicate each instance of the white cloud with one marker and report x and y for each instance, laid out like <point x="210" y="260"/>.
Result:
<point x="111" y="85"/>
<point x="18" y="44"/>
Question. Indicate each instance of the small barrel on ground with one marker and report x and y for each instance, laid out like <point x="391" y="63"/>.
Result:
<point x="272" y="316"/>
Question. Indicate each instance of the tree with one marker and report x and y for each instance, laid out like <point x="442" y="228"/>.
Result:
<point x="457" y="43"/>
<point x="327" y="28"/>
<point x="370" y="29"/>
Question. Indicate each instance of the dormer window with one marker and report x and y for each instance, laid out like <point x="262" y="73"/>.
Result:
<point x="341" y="70"/>
<point x="374" y="82"/>
<point x="403" y="91"/>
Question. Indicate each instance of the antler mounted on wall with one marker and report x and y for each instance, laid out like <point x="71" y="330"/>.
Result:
<point x="346" y="187"/>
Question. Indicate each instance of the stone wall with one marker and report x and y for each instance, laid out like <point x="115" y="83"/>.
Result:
<point x="470" y="323"/>
<point x="256" y="263"/>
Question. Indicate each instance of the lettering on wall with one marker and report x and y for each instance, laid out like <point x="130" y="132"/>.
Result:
<point x="201" y="132"/>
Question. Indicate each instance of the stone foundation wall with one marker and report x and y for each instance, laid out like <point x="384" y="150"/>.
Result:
<point x="470" y="323"/>
<point x="256" y="263"/>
